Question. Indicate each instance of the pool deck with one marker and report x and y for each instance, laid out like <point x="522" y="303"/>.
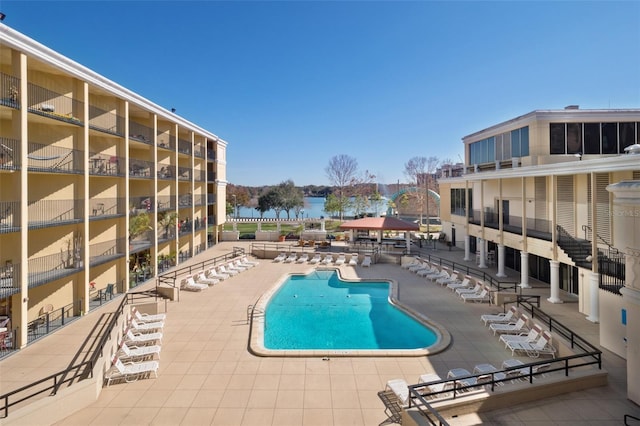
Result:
<point x="208" y="376"/>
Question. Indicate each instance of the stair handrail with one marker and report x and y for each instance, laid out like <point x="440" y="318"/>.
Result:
<point x="587" y="227"/>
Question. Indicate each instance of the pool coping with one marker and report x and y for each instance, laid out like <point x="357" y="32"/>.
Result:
<point x="256" y="330"/>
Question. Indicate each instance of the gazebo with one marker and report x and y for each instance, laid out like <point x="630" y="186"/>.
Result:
<point x="382" y="224"/>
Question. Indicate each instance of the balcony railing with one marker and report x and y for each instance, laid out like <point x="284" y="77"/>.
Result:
<point x="198" y="151"/>
<point x="9" y="91"/>
<point x="199" y="199"/>
<point x="166" y="234"/>
<point x="9" y="216"/>
<point x="184" y="173"/>
<point x="104" y="208"/>
<point x="100" y="253"/>
<point x="211" y="154"/>
<point x="9" y="154"/>
<point x="199" y="175"/>
<point x="142" y="242"/>
<point x="51" y="158"/>
<point x="184" y="147"/>
<point x="166" y="141"/>
<point x="140" y="133"/>
<point x="49" y="268"/>
<point x="43" y="213"/>
<point x="185" y="227"/>
<point x="211" y="176"/>
<point x="540" y="228"/>
<point x="142" y="204"/>
<point x="141" y="169"/>
<point x="166" y="202"/>
<point x="9" y="279"/>
<point x="54" y="105"/>
<point x="199" y="224"/>
<point x="105" y="121"/>
<point x="211" y="199"/>
<point x="166" y="171"/>
<point x="105" y="165"/>
<point x="185" y="201"/>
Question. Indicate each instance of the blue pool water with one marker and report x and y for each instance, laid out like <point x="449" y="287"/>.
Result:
<point x="320" y="311"/>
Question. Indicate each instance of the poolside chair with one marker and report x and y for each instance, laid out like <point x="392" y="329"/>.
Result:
<point x="316" y="259"/>
<point x="303" y="258"/>
<point x="353" y="261"/>
<point x="418" y="267"/>
<point x="366" y="262"/>
<point x="145" y="327"/>
<point x="133" y="353"/>
<point x="465" y="283"/>
<point x="341" y="260"/>
<point x="511" y="327"/>
<point x="512" y="313"/>
<point x="432" y="269"/>
<point x="441" y="389"/>
<point x="534" y="350"/>
<point x="201" y="278"/>
<point x="415" y="262"/>
<point x="237" y="264"/>
<point x="328" y="259"/>
<point x="250" y="263"/>
<point x="442" y="273"/>
<point x="452" y="278"/>
<point x="147" y="317"/>
<point x="291" y="258"/>
<point x="281" y="257"/>
<point x="214" y="274"/>
<point x="130" y="337"/>
<point x="231" y="266"/>
<point x="481" y="297"/>
<point x="400" y="388"/>
<point x="189" y="284"/>
<point x="131" y="371"/>
<point x="223" y="269"/>
<point x="470" y="290"/>
<point x="530" y="337"/>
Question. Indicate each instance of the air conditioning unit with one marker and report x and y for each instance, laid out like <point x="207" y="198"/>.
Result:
<point x="476" y="168"/>
<point x="515" y="162"/>
<point x="497" y="165"/>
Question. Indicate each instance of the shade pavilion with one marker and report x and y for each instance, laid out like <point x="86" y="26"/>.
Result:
<point x="382" y="224"/>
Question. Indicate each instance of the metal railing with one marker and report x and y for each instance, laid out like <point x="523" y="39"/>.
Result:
<point x="185" y="201"/>
<point x="166" y="202"/>
<point x="140" y="133"/>
<point x="141" y="204"/>
<point x="48" y="103"/>
<point x="49" y="321"/>
<point x="9" y="216"/>
<point x="184" y="173"/>
<point x="141" y="169"/>
<point x="612" y="271"/>
<point x="100" y="253"/>
<point x="106" y="165"/>
<point x="105" y="208"/>
<point x="9" y="279"/>
<point x="166" y="171"/>
<point x="44" y="269"/>
<point x="54" y="159"/>
<point x="199" y="175"/>
<point x="44" y="213"/>
<point x="184" y="147"/>
<point x="166" y="234"/>
<point x="9" y="154"/>
<point x="211" y="154"/>
<point x="199" y="199"/>
<point x="198" y="151"/>
<point x="105" y="121"/>
<point x="166" y="141"/>
<point x="9" y="91"/>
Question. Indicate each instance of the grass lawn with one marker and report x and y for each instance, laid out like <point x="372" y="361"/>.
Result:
<point x="331" y="226"/>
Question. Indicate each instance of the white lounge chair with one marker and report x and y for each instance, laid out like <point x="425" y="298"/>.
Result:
<point x="353" y="261"/>
<point x="189" y="284"/>
<point x="232" y="267"/>
<point x="418" y="267"/>
<point x="130" y="337"/>
<point x="511" y="327"/>
<point x="452" y="278"/>
<point x="433" y="276"/>
<point x="328" y="259"/>
<point x="281" y="257"/>
<point x="465" y="283"/>
<point x="237" y="264"/>
<point x="414" y="262"/>
<point x="530" y="337"/>
<point x="146" y="326"/>
<point x="503" y="317"/>
<point x="201" y="278"/>
<point x="247" y="262"/>
<point x="341" y="260"/>
<point x="213" y="273"/>
<point x="432" y="269"/>
<point x="131" y="371"/>
<point x="469" y="290"/>
<point x="400" y="388"/>
<point x="291" y="258"/>
<point x="366" y="262"/>
<point x="303" y="258"/>
<point x="223" y="269"/>
<point x="481" y="297"/>
<point x="534" y="350"/>
<point x="147" y="317"/>
<point x="133" y="353"/>
<point x="443" y="388"/>
<point x="316" y="259"/>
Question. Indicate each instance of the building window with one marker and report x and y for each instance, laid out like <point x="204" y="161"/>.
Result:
<point x="627" y="135"/>
<point x="591" y="138"/>
<point x="609" y="138"/>
<point x="557" y="138"/>
<point x="458" y="206"/>
<point x="500" y="147"/>
<point x="574" y="138"/>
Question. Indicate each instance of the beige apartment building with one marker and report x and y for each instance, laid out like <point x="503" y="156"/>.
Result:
<point x="100" y="188"/>
<point x="555" y="195"/>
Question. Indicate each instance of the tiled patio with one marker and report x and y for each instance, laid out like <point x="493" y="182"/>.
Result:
<point x="208" y="376"/>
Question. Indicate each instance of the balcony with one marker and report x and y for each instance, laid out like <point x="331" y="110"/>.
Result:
<point x="9" y="94"/>
<point x="185" y="227"/>
<point x="199" y="199"/>
<point x="140" y="133"/>
<point x="199" y="224"/>
<point x="45" y="213"/>
<point x="166" y="202"/>
<point x="9" y="216"/>
<point x="54" y="159"/>
<point x="211" y="176"/>
<point x="9" y="154"/>
<point x="211" y="154"/>
<point x="537" y="228"/>
<point x="105" y="121"/>
<point x="184" y="173"/>
<point x="141" y="243"/>
<point x="198" y="151"/>
<point x="199" y="175"/>
<point x="141" y="169"/>
<point x="211" y="199"/>
<point x="166" y="141"/>
<point x="104" y="252"/>
<point x="142" y="204"/>
<point x="105" y="165"/>
<point x="185" y="201"/>
<point x="166" y="171"/>
<point x="9" y="279"/>
<point x="166" y="234"/>
<point x="49" y="268"/>
<point x="54" y="105"/>
<point x="107" y="208"/>
<point x="184" y="147"/>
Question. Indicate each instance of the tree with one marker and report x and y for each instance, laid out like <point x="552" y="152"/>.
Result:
<point x="291" y="197"/>
<point x="332" y="204"/>
<point x="341" y="172"/>
<point x="414" y="169"/>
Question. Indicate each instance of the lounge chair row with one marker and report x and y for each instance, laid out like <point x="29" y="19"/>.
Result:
<point x="319" y="259"/>
<point x="515" y="331"/>
<point x="137" y="349"/>
<point x="203" y="279"/>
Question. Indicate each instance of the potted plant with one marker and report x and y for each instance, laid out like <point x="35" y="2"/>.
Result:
<point x="138" y="225"/>
<point x="167" y="222"/>
<point x="282" y="237"/>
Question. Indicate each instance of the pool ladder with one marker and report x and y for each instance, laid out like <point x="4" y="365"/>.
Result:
<point x="253" y="312"/>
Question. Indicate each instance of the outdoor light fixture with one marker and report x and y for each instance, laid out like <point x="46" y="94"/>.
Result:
<point x="633" y="149"/>
<point x="578" y="155"/>
<point x="2" y="16"/>
<point x="589" y="258"/>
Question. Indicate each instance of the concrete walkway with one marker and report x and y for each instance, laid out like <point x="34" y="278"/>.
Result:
<point x="208" y="376"/>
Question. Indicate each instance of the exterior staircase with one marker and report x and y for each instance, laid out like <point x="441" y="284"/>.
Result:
<point x="577" y="249"/>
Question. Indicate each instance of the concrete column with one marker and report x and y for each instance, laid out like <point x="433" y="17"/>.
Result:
<point x="483" y="253"/>
<point x="555" y="282"/>
<point x="501" y="261"/>
<point x="235" y="225"/>
<point x="408" y="241"/>
<point x="594" y="289"/>
<point x="467" y="248"/>
<point x="322" y="228"/>
<point x="524" y="269"/>
<point x="259" y="226"/>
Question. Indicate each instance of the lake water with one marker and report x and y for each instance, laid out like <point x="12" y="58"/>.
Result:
<point x="313" y="208"/>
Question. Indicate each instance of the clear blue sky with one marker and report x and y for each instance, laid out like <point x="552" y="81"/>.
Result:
<point x="291" y="84"/>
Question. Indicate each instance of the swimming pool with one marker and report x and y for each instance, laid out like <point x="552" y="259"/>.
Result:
<point x="322" y="313"/>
